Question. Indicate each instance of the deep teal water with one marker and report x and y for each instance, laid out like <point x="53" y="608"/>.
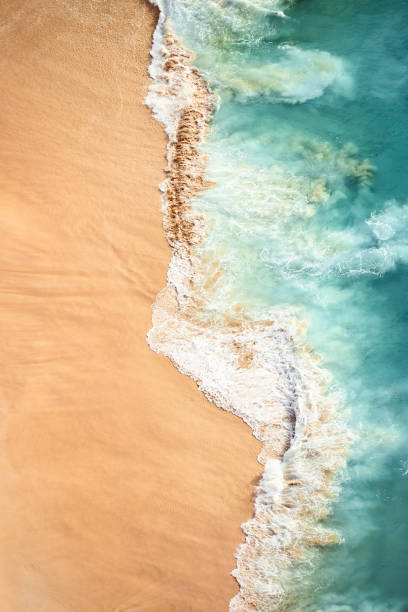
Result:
<point x="309" y="150"/>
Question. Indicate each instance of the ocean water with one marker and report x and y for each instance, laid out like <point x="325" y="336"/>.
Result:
<point x="308" y="220"/>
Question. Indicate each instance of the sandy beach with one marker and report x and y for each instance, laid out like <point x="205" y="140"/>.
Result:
<point x="123" y="489"/>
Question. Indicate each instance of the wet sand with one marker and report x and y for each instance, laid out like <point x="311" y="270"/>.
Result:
<point x="123" y="489"/>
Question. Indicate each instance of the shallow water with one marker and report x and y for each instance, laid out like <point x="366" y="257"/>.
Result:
<point x="309" y="215"/>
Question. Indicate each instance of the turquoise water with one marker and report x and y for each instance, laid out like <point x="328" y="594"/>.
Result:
<point x="308" y="149"/>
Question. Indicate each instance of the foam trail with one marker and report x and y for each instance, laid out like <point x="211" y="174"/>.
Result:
<point x="298" y="76"/>
<point x="260" y="370"/>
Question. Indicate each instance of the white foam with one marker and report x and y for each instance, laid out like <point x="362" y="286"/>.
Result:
<point x="169" y="93"/>
<point x="261" y="372"/>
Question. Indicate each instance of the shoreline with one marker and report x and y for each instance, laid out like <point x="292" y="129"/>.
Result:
<point x="289" y="409"/>
<point x="120" y="491"/>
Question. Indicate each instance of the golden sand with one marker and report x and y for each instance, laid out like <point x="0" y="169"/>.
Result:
<point x="123" y="489"/>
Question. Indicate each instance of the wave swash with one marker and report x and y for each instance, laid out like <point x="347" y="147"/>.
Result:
<point x="261" y="370"/>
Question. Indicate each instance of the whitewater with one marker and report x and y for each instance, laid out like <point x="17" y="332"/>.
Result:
<point x="284" y="205"/>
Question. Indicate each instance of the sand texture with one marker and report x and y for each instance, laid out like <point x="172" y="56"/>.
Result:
<point x="122" y="488"/>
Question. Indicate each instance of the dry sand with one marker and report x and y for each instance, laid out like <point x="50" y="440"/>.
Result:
<point x="122" y="488"/>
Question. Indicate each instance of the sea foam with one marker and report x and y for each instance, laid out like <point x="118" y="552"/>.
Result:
<point x="298" y="76"/>
<point x="261" y="370"/>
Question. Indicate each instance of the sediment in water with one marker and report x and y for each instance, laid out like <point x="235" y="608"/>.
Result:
<point x="258" y="369"/>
